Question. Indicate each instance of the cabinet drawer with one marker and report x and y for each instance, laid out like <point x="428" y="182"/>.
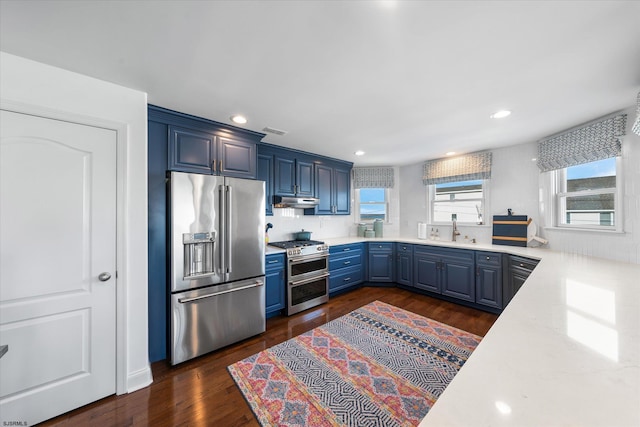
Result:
<point x="523" y="263"/>
<point x="345" y="278"/>
<point x="347" y="259"/>
<point x="489" y="259"/>
<point x="345" y="248"/>
<point x="274" y="262"/>
<point x="404" y="248"/>
<point x="382" y="246"/>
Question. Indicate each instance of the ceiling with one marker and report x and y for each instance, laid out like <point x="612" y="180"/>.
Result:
<point x="403" y="81"/>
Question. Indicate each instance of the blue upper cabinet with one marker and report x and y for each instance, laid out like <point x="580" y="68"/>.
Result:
<point x="333" y="188"/>
<point x="203" y="146"/>
<point x="342" y="190"/>
<point x="293" y="174"/>
<point x="237" y="157"/>
<point x="299" y="174"/>
<point x="265" y="173"/>
<point x="324" y="189"/>
<point x="191" y="150"/>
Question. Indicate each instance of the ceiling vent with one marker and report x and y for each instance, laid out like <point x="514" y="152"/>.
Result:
<point x="274" y="131"/>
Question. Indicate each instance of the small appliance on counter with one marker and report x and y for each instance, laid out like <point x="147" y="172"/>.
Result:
<point x="307" y="272"/>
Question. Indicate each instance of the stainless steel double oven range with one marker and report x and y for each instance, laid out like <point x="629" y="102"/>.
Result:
<point x="307" y="273"/>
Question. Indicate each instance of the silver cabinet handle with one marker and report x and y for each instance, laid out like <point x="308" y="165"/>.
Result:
<point x="103" y="277"/>
<point x="3" y="349"/>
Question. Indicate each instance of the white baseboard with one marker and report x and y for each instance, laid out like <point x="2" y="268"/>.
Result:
<point x="139" y="379"/>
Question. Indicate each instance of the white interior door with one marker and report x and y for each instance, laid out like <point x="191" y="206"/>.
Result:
<point x="57" y="236"/>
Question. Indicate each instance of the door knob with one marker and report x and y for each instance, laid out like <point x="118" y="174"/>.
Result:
<point x="103" y="277"/>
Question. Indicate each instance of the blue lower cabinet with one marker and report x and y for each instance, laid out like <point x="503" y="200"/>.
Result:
<point x="447" y="271"/>
<point x="381" y="262"/>
<point x="346" y="266"/>
<point x="275" y="284"/>
<point x="489" y="279"/>
<point x="426" y="271"/>
<point x="404" y="264"/>
<point x="345" y="278"/>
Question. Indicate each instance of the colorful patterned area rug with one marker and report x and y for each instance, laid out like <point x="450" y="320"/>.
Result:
<point x="376" y="366"/>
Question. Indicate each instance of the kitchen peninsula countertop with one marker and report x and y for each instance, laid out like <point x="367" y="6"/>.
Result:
<point x="565" y="351"/>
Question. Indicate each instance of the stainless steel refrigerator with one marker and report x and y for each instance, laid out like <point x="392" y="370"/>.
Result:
<point x="217" y="262"/>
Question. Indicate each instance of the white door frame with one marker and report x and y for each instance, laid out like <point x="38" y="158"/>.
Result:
<point x="122" y="145"/>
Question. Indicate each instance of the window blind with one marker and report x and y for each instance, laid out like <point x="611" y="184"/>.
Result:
<point x="463" y="168"/>
<point x="373" y="177"/>
<point x="598" y="140"/>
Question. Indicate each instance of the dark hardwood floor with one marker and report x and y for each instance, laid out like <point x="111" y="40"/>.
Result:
<point x="200" y="392"/>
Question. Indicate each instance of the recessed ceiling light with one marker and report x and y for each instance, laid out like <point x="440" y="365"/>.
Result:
<point x="236" y="118"/>
<point x="450" y="153"/>
<point x="359" y="153"/>
<point x="500" y="114"/>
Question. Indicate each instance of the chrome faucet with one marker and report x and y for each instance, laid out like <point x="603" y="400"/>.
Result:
<point x="455" y="231"/>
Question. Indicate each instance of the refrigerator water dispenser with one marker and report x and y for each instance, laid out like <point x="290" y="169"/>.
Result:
<point x="198" y="254"/>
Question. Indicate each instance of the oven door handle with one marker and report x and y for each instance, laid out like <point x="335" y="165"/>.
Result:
<point x="311" y="279"/>
<point x="307" y="258"/>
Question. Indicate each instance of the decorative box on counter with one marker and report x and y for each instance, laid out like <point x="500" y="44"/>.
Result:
<point x="510" y="230"/>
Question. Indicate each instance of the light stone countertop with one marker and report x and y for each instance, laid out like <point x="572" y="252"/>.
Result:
<point x="564" y="352"/>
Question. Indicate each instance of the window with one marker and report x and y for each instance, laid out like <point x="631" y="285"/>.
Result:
<point x="463" y="201"/>
<point x="587" y="195"/>
<point x="372" y="204"/>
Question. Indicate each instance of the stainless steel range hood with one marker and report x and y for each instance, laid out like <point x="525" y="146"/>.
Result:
<point x="295" y="202"/>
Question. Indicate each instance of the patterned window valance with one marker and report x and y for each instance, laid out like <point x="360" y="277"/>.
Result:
<point x="373" y="177"/>
<point x="463" y="168"/>
<point x="636" y="125"/>
<point x="595" y="141"/>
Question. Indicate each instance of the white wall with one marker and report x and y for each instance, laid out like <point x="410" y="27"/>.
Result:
<point x="47" y="88"/>
<point x="515" y="184"/>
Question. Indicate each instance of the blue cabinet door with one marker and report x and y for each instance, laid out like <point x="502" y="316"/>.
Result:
<point x="380" y="267"/>
<point x="191" y="150"/>
<point x="489" y="283"/>
<point x="426" y="272"/>
<point x="342" y="190"/>
<point x="265" y="173"/>
<point x="489" y="286"/>
<point x="274" y="283"/>
<point x="304" y="177"/>
<point x="381" y="262"/>
<point x="237" y="158"/>
<point x="404" y="264"/>
<point x="324" y="185"/>
<point x="284" y="175"/>
<point x="458" y="279"/>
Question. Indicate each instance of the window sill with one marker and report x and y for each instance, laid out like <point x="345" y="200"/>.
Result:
<point x="584" y="230"/>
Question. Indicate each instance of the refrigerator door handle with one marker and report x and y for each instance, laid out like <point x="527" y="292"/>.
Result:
<point x="223" y="233"/>
<point x="215" y="294"/>
<point x="229" y="240"/>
